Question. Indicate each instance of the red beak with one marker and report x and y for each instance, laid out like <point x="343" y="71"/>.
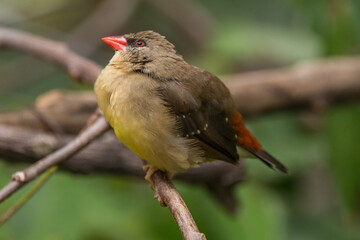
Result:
<point x="116" y="42"/>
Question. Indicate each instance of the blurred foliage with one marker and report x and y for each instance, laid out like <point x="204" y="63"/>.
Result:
<point x="345" y="160"/>
<point x="319" y="200"/>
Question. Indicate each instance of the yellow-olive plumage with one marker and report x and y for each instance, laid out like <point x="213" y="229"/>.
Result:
<point x="168" y="112"/>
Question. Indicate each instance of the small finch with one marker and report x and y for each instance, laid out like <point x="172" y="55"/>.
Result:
<point x="168" y="112"/>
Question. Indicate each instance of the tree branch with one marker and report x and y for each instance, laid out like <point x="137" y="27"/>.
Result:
<point x="163" y="186"/>
<point x="167" y="195"/>
<point x="22" y="177"/>
<point x="12" y="210"/>
<point x="106" y="155"/>
<point x="300" y="86"/>
<point x="79" y="68"/>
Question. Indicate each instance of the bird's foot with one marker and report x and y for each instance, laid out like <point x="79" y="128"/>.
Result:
<point x="149" y="171"/>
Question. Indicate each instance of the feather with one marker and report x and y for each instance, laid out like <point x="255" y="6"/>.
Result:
<point x="268" y="160"/>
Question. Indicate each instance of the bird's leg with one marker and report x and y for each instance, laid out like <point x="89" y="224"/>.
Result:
<point x="170" y="175"/>
<point x="149" y="171"/>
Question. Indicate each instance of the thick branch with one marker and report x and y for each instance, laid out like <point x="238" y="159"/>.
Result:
<point x="74" y="146"/>
<point x="56" y="106"/>
<point x="106" y="155"/>
<point x="301" y="86"/>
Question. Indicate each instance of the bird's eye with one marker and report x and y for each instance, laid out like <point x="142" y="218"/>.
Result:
<point x="140" y="43"/>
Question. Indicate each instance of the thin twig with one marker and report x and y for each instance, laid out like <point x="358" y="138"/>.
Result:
<point x="83" y="139"/>
<point x="167" y="195"/>
<point x="80" y="68"/>
<point x="12" y="210"/>
<point x="92" y="119"/>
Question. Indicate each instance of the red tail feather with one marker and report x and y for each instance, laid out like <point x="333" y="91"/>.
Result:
<point x="244" y="137"/>
<point x="247" y="141"/>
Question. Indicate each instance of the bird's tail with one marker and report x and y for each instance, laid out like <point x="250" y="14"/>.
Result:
<point x="248" y="142"/>
<point x="268" y="160"/>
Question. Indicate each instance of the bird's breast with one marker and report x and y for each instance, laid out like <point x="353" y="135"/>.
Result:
<point x="134" y="107"/>
<point x="142" y="122"/>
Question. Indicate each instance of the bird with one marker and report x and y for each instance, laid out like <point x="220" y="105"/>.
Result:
<point x="171" y="114"/>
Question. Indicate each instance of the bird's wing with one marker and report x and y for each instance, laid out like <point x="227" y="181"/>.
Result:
<point x="203" y="112"/>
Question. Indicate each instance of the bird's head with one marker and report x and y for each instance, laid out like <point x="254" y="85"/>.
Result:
<point x="146" y="52"/>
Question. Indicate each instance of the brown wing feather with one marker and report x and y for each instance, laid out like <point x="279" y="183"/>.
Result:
<point x="214" y="134"/>
<point x="203" y="105"/>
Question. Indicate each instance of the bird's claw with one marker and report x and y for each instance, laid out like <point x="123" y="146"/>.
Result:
<point x="149" y="171"/>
